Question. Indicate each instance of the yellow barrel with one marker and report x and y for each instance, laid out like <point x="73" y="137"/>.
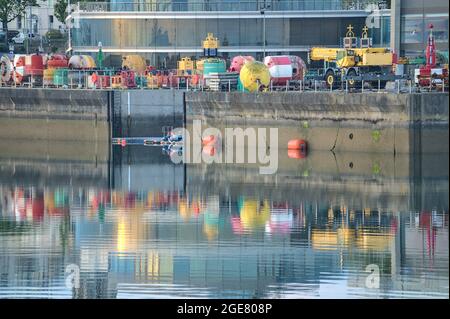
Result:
<point x="135" y="63"/>
<point x="253" y="215"/>
<point x="254" y="75"/>
<point x="48" y="76"/>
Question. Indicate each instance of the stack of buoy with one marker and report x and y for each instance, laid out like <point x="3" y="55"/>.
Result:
<point x="6" y="69"/>
<point x="51" y="75"/>
<point x="297" y="148"/>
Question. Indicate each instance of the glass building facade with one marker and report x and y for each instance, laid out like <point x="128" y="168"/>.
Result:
<point x="416" y="16"/>
<point x="162" y="31"/>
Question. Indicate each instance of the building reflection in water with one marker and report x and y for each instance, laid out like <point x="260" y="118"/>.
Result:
<point x="223" y="232"/>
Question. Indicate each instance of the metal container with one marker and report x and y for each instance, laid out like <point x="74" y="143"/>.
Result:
<point x="280" y="69"/>
<point x="60" y="77"/>
<point x="48" y="76"/>
<point x="214" y="66"/>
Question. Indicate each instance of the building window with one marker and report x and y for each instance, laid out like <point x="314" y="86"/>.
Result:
<point x="34" y="24"/>
<point x="50" y="22"/>
<point x="19" y="22"/>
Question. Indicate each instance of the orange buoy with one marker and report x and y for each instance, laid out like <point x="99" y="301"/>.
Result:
<point x="208" y="140"/>
<point x="297" y="154"/>
<point x="297" y="144"/>
<point x="209" y="150"/>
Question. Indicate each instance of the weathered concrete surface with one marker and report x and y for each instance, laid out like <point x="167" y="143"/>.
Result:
<point x="54" y="104"/>
<point x="369" y="122"/>
<point x="356" y="109"/>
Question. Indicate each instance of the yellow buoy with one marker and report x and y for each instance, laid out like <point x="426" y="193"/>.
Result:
<point x="134" y="62"/>
<point x="254" y="214"/>
<point x="254" y="76"/>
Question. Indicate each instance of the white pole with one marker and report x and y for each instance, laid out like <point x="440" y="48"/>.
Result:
<point x="129" y="103"/>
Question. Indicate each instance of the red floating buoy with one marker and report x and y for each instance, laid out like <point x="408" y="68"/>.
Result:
<point x="123" y="142"/>
<point x="297" y="144"/>
<point x="209" y="150"/>
<point x="208" y="140"/>
<point x="297" y="154"/>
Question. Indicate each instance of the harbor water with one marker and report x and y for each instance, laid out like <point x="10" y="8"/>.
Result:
<point x="135" y="225"/>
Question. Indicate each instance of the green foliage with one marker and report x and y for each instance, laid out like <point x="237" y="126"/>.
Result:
<point x="11" y="9"/>
<point x="61" y="10"/>
<point x="54" y="34"/>
<point x="376" y="135"/>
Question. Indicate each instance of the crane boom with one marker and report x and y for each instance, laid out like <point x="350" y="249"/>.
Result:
<point x="325" y="54"/>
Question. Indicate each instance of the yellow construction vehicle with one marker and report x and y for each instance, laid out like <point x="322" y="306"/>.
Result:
<point x="210" y="46"/>
<point x="353" y="62"/>
<point x="186" y="67"/>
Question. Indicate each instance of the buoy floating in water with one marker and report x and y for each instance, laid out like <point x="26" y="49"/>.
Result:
<point x="208" y="140"/>
<point x="123" y="142"/>
<point x="297" y="144"/>
<point x="209" y="150"/>
<point x="297" y="148"/>
<point x="297" y="154"/>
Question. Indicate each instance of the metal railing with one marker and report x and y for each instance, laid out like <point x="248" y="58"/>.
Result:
<point x="220" y="5"/>
<point x="105" y="79"/>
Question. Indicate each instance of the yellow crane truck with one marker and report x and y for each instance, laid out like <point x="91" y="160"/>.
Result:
<point x="354" y="63"/>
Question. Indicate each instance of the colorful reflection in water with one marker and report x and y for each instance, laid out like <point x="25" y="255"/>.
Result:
<point x="174" y="243"/>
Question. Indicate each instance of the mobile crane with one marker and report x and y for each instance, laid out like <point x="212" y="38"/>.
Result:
<point x="353" y="63"/>
<point x="431" y="75"/>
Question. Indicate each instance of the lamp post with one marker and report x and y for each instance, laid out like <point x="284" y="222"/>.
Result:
<point x="69" y="29"/>
<point x="263" y="9"/>
<point x="100" y="56"/>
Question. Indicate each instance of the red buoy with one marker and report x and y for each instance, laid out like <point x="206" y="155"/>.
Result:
<point x="123" y="142"/>
<point x="297" y="154"/>
<point x="297" y="144"/>
<point x="209" y="150"/>
<point x="208" y="140"/>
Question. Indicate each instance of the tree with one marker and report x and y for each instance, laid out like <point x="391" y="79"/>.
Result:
<point x="11" y="9"/>
<point x="61" y="10"/>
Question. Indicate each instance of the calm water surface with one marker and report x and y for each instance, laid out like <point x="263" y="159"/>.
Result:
<point x="139" y="226"/>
